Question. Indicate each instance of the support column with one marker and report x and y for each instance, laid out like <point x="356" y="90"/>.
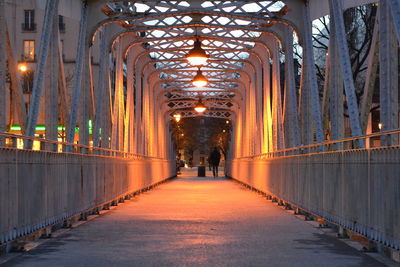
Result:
<point x="267" y="116"/>
<point x="16" y="87"/>
<point x="291" y="117"/>
<point x="130" y="87"/>
<point x="51" y="9"/>
<point x="388" y="74"/>
<point x="3" y="72"/>
<point x="81" y="57"/>
<point x="101" y="90"/>
<point x="395" y="8"/>
<point x="311" y="76"/>
<point x="370" y="77"/>
<point x="336" y="108"/>
<point x="117" y="138"/>
<point x="336" y="10"/>
<point x="277" y="126"/>
<point x="51" y="90"/>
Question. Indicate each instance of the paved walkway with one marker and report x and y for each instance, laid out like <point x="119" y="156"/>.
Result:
<point x="195" y="221"/>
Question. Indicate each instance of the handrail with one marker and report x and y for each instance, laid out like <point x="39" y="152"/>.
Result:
<point x="78" y="148"/>
<point x="305" y="149"/>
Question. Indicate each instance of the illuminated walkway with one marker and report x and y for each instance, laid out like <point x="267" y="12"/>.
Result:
<point x="195" y="221"/>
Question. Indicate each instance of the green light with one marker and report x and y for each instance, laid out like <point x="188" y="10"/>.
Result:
<point x="40" y="128"/>
<point x="15" y="128"/>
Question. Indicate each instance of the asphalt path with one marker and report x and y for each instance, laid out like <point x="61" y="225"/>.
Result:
<point x="193" y="221"/>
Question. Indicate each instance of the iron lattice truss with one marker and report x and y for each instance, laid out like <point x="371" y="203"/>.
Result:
<point x="228" y="30"/>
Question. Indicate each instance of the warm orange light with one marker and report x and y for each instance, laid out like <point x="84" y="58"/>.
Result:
<point x="227" y="122"/>
<point x="199" y="80"/>
<point x="197" y="56"/>
<point x="380" y="126"/>
<point x="177" y="117"/>
<point x="23" y="67"/>
<point x="200" y="108"/>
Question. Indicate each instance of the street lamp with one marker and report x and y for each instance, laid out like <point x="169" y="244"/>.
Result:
<point x="199" y="80"/>
<point x="200" y="108"/>
<point x="22" y="67"/>
<point x="177" y="117"/>
<point x="197" y="56"/>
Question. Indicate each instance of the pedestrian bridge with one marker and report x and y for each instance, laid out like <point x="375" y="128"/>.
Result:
<point x="324" y="145"/>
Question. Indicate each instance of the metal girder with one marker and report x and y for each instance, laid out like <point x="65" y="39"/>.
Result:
<point x="370" y="77"/>
<point x="388" y="74"/>
<point x="222" y="114"/>
<point x="395" y="8"/>
<point x="101" y="90"/>
<point x="337" y="16"/>
<point x="291" y="116"/>
<point x="76" y="89"/>
<point x="51" y="88"/>
<point x="211" y="103"/>
<point x="335" y="81"/>
<point x="311" y="75"/>
<point x="263" y="21"/>
<point x="51" y="8"/>
<point x="3" y="71"/>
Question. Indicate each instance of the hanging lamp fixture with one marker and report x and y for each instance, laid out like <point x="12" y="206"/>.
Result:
<point x="199" y="80"/>
<point x="200" y="107"/>
<point x="177" y="117"/>
<point x="197" y="56"/>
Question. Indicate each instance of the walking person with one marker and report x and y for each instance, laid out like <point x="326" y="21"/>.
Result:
<point x="215" y="157"/>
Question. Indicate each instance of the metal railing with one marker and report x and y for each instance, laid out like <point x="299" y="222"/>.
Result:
<point x="345" y="144"/>
<point x="355" y="188"/>
<point x="39" y="189"/>
<point x="16" y="141"/>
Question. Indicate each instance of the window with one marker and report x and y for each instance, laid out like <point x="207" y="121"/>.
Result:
<point x="29" y="21"/>
<point x="29" y="50"/>
<point x="61" y="24"/>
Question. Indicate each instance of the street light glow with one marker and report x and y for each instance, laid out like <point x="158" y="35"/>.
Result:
<point x="200" y="108"/>
<point x="23" y="67"/>
<point x="177" y="117"/>
<point x="199" y="80"/>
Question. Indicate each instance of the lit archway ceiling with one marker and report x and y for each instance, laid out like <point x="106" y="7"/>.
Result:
<point x="229" y="30"/>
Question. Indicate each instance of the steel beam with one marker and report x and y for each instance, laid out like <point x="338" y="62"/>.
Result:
<point x="337" y="16"/>
<point x="51" y="89"/>
<point x="370" y="77"/>
<point x="336" y="105"/>
<point x="51" y="8"/>
<point x="101" y="88"/>
<point x="291" y="116"/>
<point x="395" y="8"/>
<point x="311" y="76"/>
<point x="388" y="74"/>
<point x="3" y="72"/>
<point x="81" y="57"/>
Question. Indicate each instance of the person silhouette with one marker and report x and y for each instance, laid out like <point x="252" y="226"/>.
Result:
<point x="215" y="158"/>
